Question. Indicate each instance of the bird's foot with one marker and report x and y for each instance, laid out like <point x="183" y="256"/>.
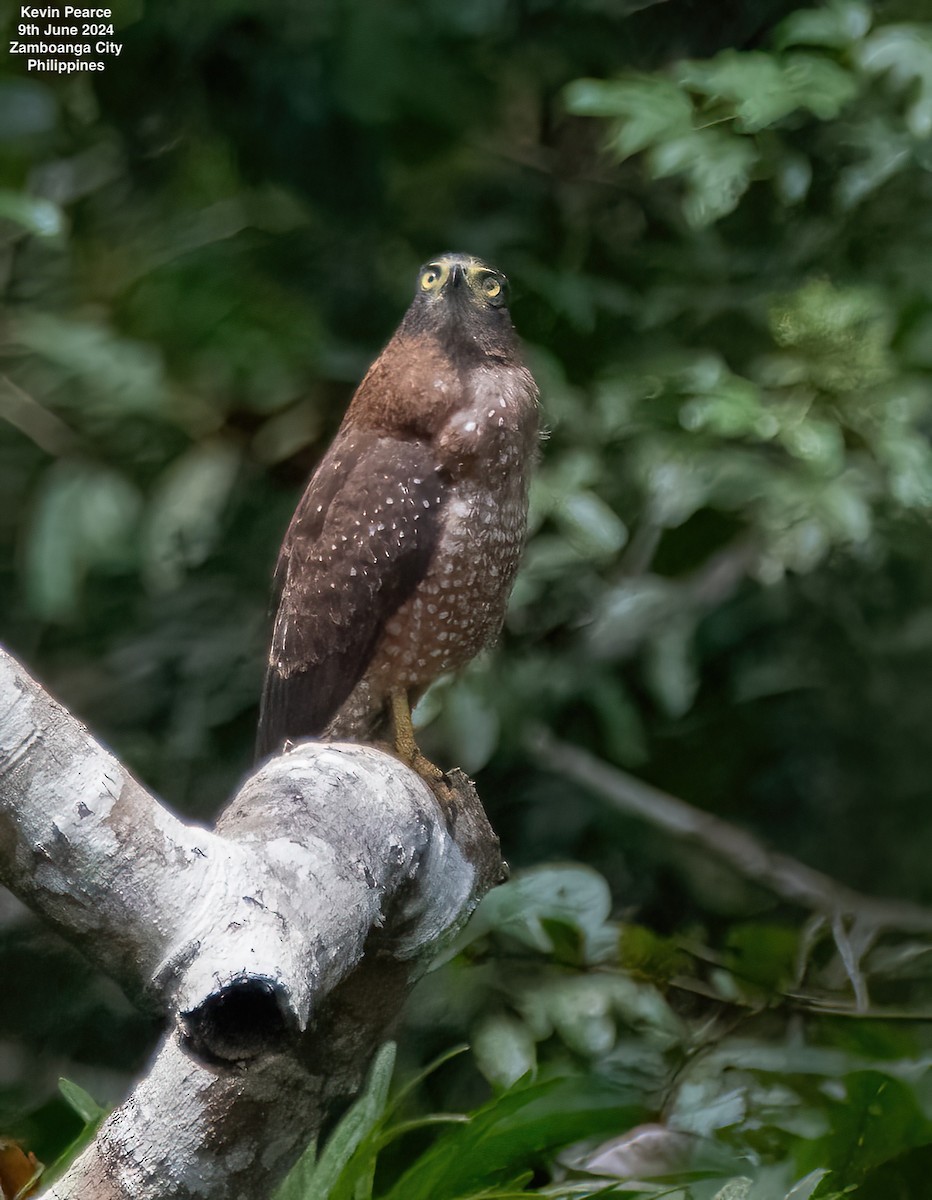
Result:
<point x="437" y="780"/>
<point x="403" y="743"/>
<point x="427" y="770"/>
<point x="407" y="749"/>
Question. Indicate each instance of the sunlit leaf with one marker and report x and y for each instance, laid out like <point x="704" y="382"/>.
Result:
<point x="571" y="893"/>
<point x="629" y="614"/>
<point x="85" y="516"/>
<point x="836" y="25"/>
<point x="652" y="109"/>
<point x="33" y="213"/>
<point x="736" y="1189"/>
<point x="503" y="1048"/>
<point x="117" y="376"/>
<point x="764" y="88"/>
<point x="670" y="666"/>
<point x="717" y="169"/>
<point x="640" y="1153"/>
<point x="905" y="53"/>
<point x="590" y="525"/>
<point x="185" y="512"/>
<point x="806" y="1186"/>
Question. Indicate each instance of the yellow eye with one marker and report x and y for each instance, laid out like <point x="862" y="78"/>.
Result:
<point x="431" y="278"/>
<point x="490" y="287"/>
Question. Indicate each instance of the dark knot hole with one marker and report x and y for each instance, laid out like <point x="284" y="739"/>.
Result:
<point x="244" y="1019"/>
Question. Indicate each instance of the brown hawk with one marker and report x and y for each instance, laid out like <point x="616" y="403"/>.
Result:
<point x="398" y="562"/>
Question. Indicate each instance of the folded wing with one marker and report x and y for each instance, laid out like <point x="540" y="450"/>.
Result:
<point x="358" y="545"/>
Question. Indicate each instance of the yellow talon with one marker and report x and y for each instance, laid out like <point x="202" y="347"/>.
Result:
<point x="403" y="738"/>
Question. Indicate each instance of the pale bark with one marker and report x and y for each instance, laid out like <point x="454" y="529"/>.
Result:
<point x="279" y="945"/>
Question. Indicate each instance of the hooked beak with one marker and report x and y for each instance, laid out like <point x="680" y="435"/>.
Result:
<point x="457" y="275"/>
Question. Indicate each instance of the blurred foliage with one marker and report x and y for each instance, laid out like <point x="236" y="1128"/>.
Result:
<point x="58" y="1130"/>
<point x="685" y="1075"/>
<point x="717" y="222"/>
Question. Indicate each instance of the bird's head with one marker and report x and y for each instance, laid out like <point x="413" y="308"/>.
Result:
<point x="452" y="277"/>
<point x="464" y="301"/>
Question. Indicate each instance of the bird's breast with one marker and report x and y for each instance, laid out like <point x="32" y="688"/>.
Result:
<point x="491" y="433"/>
<point x="459" y="605"/>
<point x="483" y="448"/>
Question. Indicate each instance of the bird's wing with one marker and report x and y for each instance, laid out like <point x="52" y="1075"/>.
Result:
<point x="358" y="544"/>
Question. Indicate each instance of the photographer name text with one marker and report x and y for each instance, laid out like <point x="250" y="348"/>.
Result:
<point x="64" y="40"/>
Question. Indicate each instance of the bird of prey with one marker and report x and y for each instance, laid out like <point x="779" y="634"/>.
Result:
<point x="398" y="562"/>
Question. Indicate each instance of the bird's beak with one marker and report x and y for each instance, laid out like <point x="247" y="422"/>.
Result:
<point x="457" y="275"/>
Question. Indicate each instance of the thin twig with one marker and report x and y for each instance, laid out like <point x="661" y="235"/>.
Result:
<point x="49" y="432"/>
<point x="786" y="877"/>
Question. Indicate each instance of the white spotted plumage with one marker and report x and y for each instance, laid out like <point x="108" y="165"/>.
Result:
<point x="399" y="560"/>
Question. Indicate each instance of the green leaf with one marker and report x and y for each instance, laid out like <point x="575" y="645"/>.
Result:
<point x="185" y="512"/>
<point x="91" y="1113"/>
<point x="413" y="1083"/>
<point x="883" y="151"/>
<point x="717" y="167"/>
<point x="815" y="441"/>
<point x="586" y="1008"/>
<point x="735" y="1189"/>
<point x="85" y="516"/>
<point x="568" y="946"/>
<point x="298" y="1182"/>
<point x="504" y="1049"/>
<point x="904" y="52"/>
<point x="515" y="1129"/>
<point x="792" y="175"/>
<point x="471" y="724"/>
<point x="843" y="334"/>
<point x="732" y="409"/>
<point x="27" y="108"/>
<point x="752" y="83"/>
<point x="835" y="25"/>
<point x="670" y="667"/>
<point x="619" y="718"/>
<point x="348" y="1155"/>
<point x="581" y="1011"/>
<point x="877" y="1118"/>
<point x="764" y="954"/>
<point x="805" y="1187"/>
<point x="631" y="613"/>
<point x="36" y="215"/>
<point x="574" y="894"/>
<point x="677" y="481"/>
<point x="907" y="456"/>
<point x="117" y="376"/>
<point x="761" y="89"/>
<point x="704" y="1103"/>
<point x="81" y="1101"/>
<point x="905" y="1176"/>
<point x="592" y="528"/>
<point x="644" y="952"/>
<point x="652" y="109"/>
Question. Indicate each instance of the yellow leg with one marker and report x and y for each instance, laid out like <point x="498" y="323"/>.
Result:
<point x="403" y="737"/>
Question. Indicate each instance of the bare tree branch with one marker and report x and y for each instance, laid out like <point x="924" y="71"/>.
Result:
<point x="280" y="945"/>
<point x="793" y="881"/>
